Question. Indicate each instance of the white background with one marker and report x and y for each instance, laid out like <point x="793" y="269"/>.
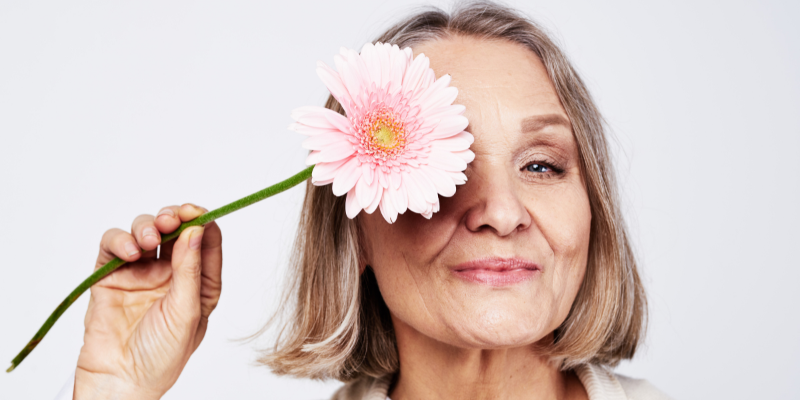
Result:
<point x="112" y="109"/>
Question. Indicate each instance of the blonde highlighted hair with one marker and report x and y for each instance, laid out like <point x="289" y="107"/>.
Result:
<point x="334" y="322"/>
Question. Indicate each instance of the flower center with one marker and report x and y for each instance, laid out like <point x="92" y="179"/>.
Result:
<point x="382" y="134"/>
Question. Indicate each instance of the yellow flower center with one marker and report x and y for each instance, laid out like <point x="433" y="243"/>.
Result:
<point x="382" y="134"/>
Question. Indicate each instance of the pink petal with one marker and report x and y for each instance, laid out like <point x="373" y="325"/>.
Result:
<point x="416" y="200"/>
<point x="367" y="172"/>
<point x="432" y="90"/>
<point x="427" y="214"/>
<point x="346" y="177"/>
<point x="458" y="177"/>
<point x="326" y="171"/>
<point x="368" y="53"/>
<point x="309" y="130"/>
<point x="413" y="79"/>
<point x="351" y="206"/>
<point x="395" y="180"/>
<point x="334" y="152"/>
<point x="321" y="141"/>
<point x="375" y="201"/>
<point x="440" y="98"/>
<point x="466" y="155"/>
<point x="365" y="192"/>
<point x="387" y="210"/>
<point x="446" y="160"/>
<point x="438" y="113"/>
<point x="449" y="126"/>
<point x="334" y="83"/>
<point x="400" y="198"/>
<point x="444" y="184"/>
<point x="339" y="121"/>
<point x="315" y="117"/>
<point x="426" y="186"/>
<point x="459" y="142"/>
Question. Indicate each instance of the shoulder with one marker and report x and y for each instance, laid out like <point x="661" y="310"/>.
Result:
<point x="640" y="389"/>
<point x="602" y="384"/>
<point x="366" y="388"/>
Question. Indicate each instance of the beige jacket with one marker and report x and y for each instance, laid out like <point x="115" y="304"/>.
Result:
<point x="600" y="384"/>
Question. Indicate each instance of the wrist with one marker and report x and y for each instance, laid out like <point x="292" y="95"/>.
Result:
<point x="91" y="386"/>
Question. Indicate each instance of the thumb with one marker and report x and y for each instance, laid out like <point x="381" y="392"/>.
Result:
<point x="183" y="298"/>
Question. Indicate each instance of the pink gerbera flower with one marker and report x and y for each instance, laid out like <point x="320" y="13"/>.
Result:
<point x="402" y="143"/>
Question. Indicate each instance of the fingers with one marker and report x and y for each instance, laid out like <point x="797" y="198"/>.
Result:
<point x="189" y="211"/>
<point x="182" y="303"/>
<point x="170" y="218"/>
<point x="117" y="243"/>
<point x="145" y="232"/>
<point x="211" y="268"/>
<point x="167" y="220"/>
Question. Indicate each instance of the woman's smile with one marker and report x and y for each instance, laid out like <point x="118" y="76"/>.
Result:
<point x="497" y="271"/>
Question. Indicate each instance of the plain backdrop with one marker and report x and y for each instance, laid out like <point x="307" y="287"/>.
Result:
<point x="113" y="109"/>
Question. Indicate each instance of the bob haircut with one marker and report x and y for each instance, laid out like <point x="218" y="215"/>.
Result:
<point x="333" y="320"/>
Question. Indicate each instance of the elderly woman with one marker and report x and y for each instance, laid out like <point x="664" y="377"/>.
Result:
<point x="522" y="286"/>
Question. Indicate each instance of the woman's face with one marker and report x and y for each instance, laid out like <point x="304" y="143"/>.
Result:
<point x="502" y="261"/>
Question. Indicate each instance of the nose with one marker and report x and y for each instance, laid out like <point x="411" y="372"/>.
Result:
<point x="497" y="204"/>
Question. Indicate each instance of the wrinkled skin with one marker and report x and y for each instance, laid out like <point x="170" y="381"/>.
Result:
<point x="145" y="319"/>
<point x="525" y="199"/>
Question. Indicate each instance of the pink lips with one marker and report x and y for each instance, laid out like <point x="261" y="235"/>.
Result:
<point x="496" y="271"/>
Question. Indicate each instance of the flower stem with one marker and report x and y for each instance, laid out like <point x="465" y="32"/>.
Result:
<point x="117" y="262"/>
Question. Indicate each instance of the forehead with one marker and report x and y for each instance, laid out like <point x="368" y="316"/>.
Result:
<point x="500" y="82"/>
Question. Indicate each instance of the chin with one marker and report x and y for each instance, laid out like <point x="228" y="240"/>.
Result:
<point x="496" y="328"/>
<point x="479" y="316"/>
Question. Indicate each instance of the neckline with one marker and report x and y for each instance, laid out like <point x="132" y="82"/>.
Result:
<point x="599" y="383"/>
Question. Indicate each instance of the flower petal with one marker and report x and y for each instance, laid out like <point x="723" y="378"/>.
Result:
<point x="321" y="141"/>
<point x="334" y="83"/>
<point x="444" y="184"/>
<point x="449" y="126"/>
<point x="446" y="160"/>
<point x="458" y="177"/>
<point x="387" y="209"/>
<point x="399" y="198"/>
<point x="414" y="77"/>
<point x="459" y="142"/>
<point x="367" y="172"/>
<point x="346" y="177"/>
<point x="308" y="130"/>
<point x="351" y="205"/>
<point x="326" y="171"/>
<point x="467" y="155"/>
<point x="376" y="200"/>
<point x="366" y="192"/>
<point x="334" y="152"/>
<point x="426" y="186"/>
<point x="416" y="200"/>
<point x="339" y="121"/>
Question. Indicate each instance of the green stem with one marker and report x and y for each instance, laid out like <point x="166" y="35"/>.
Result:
<point x="117" y="262"/>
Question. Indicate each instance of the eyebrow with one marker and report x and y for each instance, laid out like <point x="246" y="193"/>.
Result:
<point x="539" y="122"/>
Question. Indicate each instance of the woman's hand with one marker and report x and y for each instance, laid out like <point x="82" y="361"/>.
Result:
<point x="148" y="317"/>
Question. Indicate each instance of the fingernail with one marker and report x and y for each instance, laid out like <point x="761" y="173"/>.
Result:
<point x="165" y="211"/>
<point x="149" y="231"/>
<point x="131" y="249"/>
<point x="196" y="238"/>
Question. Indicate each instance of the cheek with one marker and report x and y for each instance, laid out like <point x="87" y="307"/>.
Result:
<point x="403" y="257"/>
<point x="565" y="221"/>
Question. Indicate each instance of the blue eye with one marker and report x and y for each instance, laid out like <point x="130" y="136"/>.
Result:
<point x="535" y="167"/>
